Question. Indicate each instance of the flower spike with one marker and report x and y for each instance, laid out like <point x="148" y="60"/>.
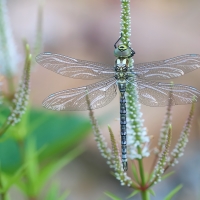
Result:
<point x="163" y="158"/>
<point x="166" y="123"/>
<point x="22" y="95"/>
<point x="120" y="174"/>
<point x="178" y="151"/>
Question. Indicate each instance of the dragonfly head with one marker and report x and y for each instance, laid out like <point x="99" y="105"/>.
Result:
<point x="123" y="51"/>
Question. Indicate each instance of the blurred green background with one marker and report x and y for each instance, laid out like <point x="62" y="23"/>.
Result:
<point x="88" y="30"/>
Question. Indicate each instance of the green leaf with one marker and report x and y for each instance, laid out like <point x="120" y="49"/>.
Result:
<point x="32" y="167"/>
<point x="167" y="175"/>
<point x="57" y="132"/>
<point x="60" y="132"/>
<point x="12" y="179"/>
<point x="173" y="192"/>
<point x="134" y="171"/>
<point x="112" y="196"/>
<point x="133" y="194"/>
<point x="37" y="123"/>
<point x="49" y="170"/>
<point x="151" y="192"/>
<point x="53" y="193"/>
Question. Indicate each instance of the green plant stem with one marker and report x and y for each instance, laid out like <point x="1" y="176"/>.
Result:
<point x="145" y="195"/>
<point x="126" y="31"/>
<point x="141" y="170"/>
<point x="144" y="192"/>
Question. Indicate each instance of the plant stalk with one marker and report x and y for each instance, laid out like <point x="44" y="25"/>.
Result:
<point x="144" y="192"/>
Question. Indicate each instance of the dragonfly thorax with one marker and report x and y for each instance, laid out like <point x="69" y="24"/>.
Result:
<point x="121" y="68"/>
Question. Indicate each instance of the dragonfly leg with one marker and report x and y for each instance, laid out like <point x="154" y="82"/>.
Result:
<point x="115" y="45"/>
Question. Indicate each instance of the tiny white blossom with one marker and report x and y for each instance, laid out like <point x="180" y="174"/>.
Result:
<point x="21" y="100"/>
<point x="136" y="133"/>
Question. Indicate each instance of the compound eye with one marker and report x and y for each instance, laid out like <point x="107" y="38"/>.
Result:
<point x="122" y="47"/>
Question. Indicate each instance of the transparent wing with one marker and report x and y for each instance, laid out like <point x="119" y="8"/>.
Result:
<point x="74" y="68"/>
<point x="157" y="94"/>
<point x="167" y="69"/>
<point x="100" y="94"/>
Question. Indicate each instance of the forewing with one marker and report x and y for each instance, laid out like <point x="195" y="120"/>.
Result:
<point x="157" y="94"/>
<point x="100" y="94"/>
<point x="167" y="69"/>
<point x="74" y="68"/>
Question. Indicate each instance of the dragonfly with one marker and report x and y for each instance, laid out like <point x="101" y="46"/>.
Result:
<point x="115" y="78"/>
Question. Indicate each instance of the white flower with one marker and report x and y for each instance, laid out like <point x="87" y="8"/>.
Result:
<point x="136" y="133"/>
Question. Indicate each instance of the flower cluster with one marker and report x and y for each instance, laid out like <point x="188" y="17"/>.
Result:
<point x="136" y="133"/>
<point x="99" y="138"/>
<point x="20" y="102"/>
<point x="22" y="95"/>
<point x="166" y="123"/>
<point x="137" y="137"/>
<point x="183" y="140"/>
<point x="116" y="163"/>
<point x="163" y="158"/>
<point x="112" y="156"/>
<point x="125" y="24"/>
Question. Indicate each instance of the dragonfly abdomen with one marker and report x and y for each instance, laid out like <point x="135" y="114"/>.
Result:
<point x="122" y="89"/>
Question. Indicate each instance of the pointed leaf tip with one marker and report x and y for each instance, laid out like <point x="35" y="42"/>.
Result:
<point x="152" y="192"/>
<point x="173" y="192"/>
<point x="112" y="196"/>
<point x="133" y="194"/>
